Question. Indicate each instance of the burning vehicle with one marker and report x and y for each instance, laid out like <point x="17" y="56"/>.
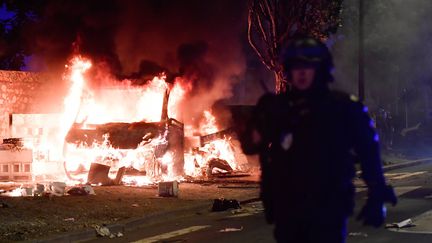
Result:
<point x="119" y="134"/>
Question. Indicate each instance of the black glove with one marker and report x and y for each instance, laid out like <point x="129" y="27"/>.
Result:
<point x="268" y="213"/>
<point x="268" y="208"/>
<point x="374" y="211"/>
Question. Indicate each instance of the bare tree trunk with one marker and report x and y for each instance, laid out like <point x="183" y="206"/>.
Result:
<point x="281" y="84"/>
<point x="271" y="23"/>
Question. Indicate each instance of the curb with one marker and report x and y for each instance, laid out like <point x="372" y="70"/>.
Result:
<point x="401" y="165"/>
<point x="406" y="164"/>
<point x="126" y="226"/>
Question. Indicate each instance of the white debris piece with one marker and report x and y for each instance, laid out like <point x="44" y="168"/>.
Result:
<point x="352" y="234"/>
<point x="58" y="188"/>
<point x="102" y="230"/>
<point x="231" y="230"/>
<point x="89" y="190"/>
<point x="405" y="223"/>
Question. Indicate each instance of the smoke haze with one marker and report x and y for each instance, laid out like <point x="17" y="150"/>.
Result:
<point x="199" y="40"/>
<point x="397" y="55"/>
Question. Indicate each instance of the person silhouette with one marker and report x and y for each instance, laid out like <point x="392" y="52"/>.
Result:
<point x="307" y="138"/>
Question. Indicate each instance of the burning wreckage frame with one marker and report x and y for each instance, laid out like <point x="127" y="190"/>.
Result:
<point x="128" y="136"/>
<point x="155" y="150"/>
<point x="119" y="136"/>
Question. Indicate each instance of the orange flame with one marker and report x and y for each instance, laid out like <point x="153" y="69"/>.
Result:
<point x="197" y="161"/>
<point x="72" y="102"/>
<point x="123" y="102"/>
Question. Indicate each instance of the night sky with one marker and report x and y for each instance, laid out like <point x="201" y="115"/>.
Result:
<point x="124" y="33"/>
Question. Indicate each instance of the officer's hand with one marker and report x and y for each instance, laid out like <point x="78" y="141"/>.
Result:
<point x="269" y="216"/>
<point x="389" y="196"/>
<point x="373" y="213"/>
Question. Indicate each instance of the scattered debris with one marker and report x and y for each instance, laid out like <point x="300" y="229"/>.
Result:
<point x="224" y="204"/>
<point x="232" y="175"/>
<point x="216" y="163"/>
<point x="168" y="189"/>
<point x="248" y="209"/>
<point x="4" y="205"/>
<point x="355" y="234"/>
<point x="403" y="224"/>
<point x="98" y="174"/>
<point x="27" y="191"/>
<point x="58" y="188"/>
<point x="18" y="143"/>
<point x="77" y="191"/>
<point x="89" y="190"/>
<point x="81" y="191"/>
<point x="231" y="229"/>
<point x="104" y="231"/>
<point x="69" y="219"/>
<point x="135" y="205"/>
<point x="40" y="188"/>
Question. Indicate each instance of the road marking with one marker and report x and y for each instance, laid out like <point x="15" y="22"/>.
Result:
<point x="398" y="190"/>
<point x="172" y="234"/>
<point x="241" y="215"/>
<point x="405" y="189"/>
<point x="399" y="176"/>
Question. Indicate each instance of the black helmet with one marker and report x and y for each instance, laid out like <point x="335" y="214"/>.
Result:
<point x="307" y="51"/>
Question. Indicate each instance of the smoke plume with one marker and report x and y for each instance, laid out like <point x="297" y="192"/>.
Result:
<point x="198" y="40"/>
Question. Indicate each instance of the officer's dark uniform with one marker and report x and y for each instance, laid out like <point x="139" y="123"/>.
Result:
<point x="308" y="141"/>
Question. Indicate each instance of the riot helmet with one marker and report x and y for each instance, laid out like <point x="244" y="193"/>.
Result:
<point x="307" y="52"/>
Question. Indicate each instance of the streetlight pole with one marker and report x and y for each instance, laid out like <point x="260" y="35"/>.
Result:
<point x="361" y="84"/>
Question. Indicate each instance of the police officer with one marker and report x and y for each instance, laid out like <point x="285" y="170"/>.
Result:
<point x="307" y="139"/>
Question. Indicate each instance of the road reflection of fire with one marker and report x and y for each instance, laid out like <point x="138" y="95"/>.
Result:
<point x="101" y="126"/>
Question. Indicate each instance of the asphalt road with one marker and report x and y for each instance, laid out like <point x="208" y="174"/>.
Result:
<point x="413" y="185"/>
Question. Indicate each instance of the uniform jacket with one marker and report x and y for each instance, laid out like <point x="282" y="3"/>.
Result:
<point x="309" y="143"/>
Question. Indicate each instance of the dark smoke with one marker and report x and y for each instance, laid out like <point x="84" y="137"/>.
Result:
<point x="91" y="25"/>
<point x="203" y="41"/>
<point x="194" y="67"/>
<point x="123" y="33"/>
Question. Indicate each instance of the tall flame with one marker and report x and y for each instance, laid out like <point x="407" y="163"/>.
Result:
<point x="198" y="160"/>
<point x="73" y="100"/>
<point x="121" y="102"/>
<point x="124" y="102"/>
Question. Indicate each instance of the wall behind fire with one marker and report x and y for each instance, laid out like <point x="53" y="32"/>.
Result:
<point x="18" y="91"/>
